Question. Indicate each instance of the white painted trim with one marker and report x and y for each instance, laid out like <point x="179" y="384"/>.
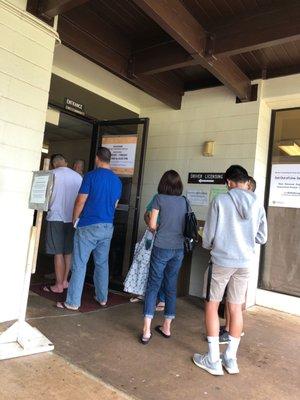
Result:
<point x="94" y="89"/>
<point x="278" y="301"/>
<point x="30" y="19"/>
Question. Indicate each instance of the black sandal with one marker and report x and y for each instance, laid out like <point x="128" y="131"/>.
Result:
<point x="144" y="340"/>
<point x="47" y="289"/>
<point x="158" y="330"/>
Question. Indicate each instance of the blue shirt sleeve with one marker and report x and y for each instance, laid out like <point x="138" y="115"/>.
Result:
<point x="86" y="184"/>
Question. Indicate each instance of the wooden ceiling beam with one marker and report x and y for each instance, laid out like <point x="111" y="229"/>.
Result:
<point x="51" y="8"/>
<point x="161" y="58"/>
<point x="260" y="30"/>
<point x="168" y="91"/>
<point x="174" y="18"/>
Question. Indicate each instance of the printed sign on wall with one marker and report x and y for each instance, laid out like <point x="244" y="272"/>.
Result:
<point x="206" y="178"/>
<point x="198" y="197"/>
<point x="41" y="189"/>
<point x="123" y="149"/>
<point x="285" y="186"/>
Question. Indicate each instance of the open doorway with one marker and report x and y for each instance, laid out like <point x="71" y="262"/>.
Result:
<point x="70" y="136"/>
<point x="77" y="138"/>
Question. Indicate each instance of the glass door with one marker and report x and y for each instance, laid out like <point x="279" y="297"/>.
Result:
<point x="127" y="141"/>
<point x="280" y="266"/>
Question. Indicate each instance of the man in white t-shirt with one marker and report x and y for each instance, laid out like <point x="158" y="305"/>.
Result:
<point x="60" y="230"/>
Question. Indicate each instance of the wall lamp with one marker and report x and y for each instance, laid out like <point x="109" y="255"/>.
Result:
<point x="208" y="148"/>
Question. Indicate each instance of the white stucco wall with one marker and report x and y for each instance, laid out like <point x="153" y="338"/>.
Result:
<point x="175" y="142"/>
<point x="26" y="53"/>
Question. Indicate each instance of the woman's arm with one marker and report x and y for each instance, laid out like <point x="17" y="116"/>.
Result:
<point x="153" y="219"/>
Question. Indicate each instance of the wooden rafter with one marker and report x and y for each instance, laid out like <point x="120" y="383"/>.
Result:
<point x="174" y="18"/>
<point x="168" y="89"/>
<point x="161" y="58"/>
<point x="264" y="29"/>
<point x="51" y="8"/>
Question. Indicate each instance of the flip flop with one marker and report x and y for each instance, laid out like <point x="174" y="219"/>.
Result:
<point x="144" y="340"/>
<point x="158" y="330"/>
<point x="135" y="299"/>
<point x="160" y="308"/>
<point x="48" y="289"/>
<point x="62" y="306"/>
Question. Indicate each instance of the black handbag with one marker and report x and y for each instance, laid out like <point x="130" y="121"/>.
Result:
<point x="191" y="228"/>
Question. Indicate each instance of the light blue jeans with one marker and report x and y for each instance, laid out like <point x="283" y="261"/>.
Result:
<point x="164" y="267"/>
<point x="90" y="239"/>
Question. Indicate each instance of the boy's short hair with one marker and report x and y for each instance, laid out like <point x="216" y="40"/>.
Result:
<point x="236" y="173"/>
<point x="104" y="154"/>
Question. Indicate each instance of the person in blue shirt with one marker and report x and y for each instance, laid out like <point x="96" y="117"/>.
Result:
<point x="93" y="217"/>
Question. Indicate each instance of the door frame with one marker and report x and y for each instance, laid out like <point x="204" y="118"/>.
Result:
<point x="267" y="193"/>
<point x="96" y="137"/>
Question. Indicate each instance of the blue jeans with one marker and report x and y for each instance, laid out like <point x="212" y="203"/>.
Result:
<point x="92" y="238"/>
<point x="161" y="294"/>
<point x="164" y="266"/>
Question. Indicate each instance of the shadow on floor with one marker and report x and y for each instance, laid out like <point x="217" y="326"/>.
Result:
<point x="104" y="343"/>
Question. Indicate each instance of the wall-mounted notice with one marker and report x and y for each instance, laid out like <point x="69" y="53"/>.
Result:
<point x="198" y="197"/>
<point x="216" y="191"/>
<point x="206" y="178"/>
<point x="123" y="149"/>
<point x="285" y="186"/>
<point x="41" y="190"/>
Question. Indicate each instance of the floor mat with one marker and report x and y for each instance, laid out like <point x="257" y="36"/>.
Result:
<point x="88" y="302"/>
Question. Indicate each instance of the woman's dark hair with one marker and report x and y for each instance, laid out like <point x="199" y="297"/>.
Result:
<point x="170" y="183"/>
<point x="236" y="173"/>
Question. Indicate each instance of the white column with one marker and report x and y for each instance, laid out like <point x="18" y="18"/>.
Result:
<point x="26" y="53"/>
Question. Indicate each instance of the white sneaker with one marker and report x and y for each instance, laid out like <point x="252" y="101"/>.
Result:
<point x="202" y="361"/>
<point x="230" y="364"/>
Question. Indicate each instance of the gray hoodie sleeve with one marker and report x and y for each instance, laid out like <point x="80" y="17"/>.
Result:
<point x="210" y="226"/>
<point x="262" y="233"/>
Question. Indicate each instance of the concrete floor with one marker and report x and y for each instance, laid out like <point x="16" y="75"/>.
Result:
<point x="104" y="344"/>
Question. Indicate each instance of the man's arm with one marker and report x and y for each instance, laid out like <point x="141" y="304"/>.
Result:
<point x="78" y="206"/>
<point x="210" y="226"/>
<point x="262" y="233"/>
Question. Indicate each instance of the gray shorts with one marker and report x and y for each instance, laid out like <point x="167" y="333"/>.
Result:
<point x="59" y="237"/>
<point x="235" y="279"/>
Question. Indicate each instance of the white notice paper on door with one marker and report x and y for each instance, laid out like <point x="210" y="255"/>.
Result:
<point x="198" y="197"/>
<point x="39" y="189"/>
<point x="285" y="186"/>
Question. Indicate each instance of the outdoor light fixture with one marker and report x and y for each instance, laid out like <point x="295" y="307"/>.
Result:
<point x="208" y="148"/>
<point x="290" y="147"/>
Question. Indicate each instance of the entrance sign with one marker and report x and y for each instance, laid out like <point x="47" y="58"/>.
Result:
<point x="206" y="178"/>
<point x="123" y="149"/>
<point x="74" y="106"/>
<point x="198" y="197"/>
<point x="41" y="188"/>
<point x="285" y="186"/>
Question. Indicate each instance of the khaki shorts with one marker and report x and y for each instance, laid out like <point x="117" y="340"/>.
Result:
<point x="235" y="279"/>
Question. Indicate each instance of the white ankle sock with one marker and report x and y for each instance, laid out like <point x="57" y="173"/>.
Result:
<point x="232" y="347"/>
<point x="213" y="348"/>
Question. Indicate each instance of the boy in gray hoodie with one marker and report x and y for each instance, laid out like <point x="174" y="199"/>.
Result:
<point x="235" y="223"/>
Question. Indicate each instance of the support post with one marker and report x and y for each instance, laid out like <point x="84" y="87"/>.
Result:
<point x="21" y="339"/>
